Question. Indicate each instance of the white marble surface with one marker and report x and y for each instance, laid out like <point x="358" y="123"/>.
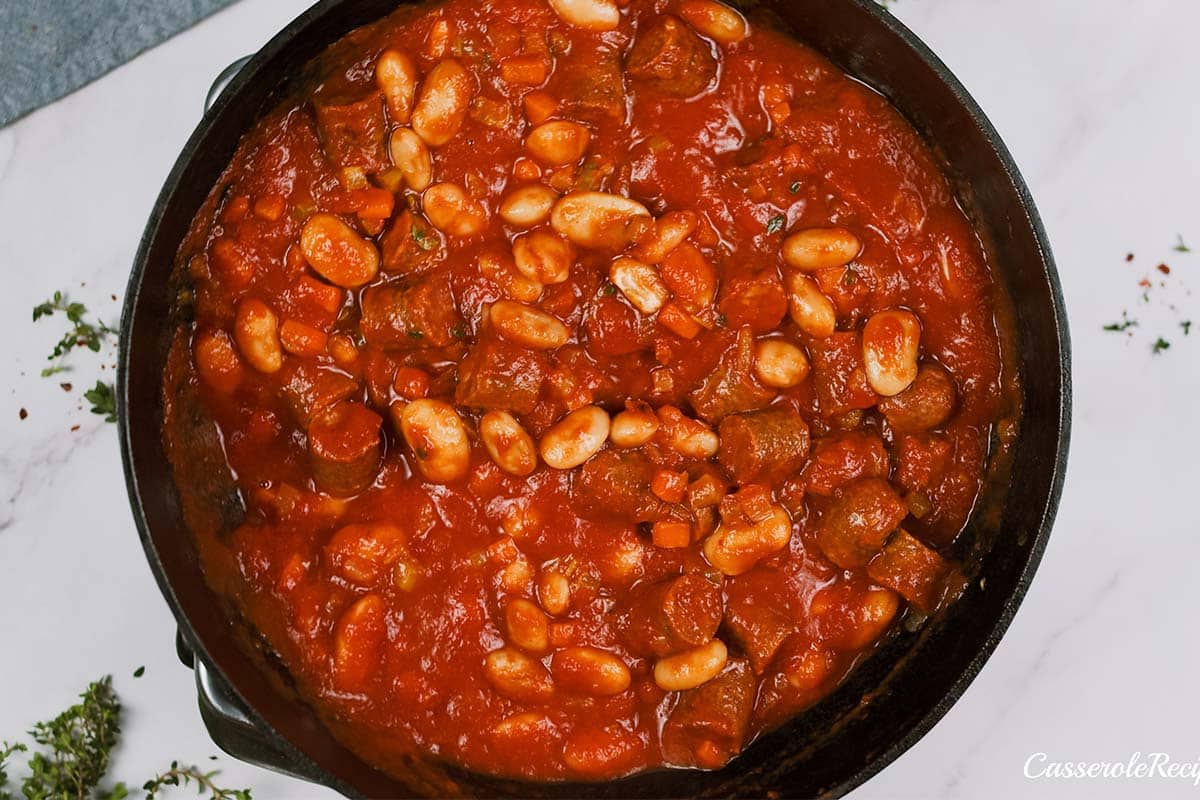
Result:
<point x="1099" y="105"/>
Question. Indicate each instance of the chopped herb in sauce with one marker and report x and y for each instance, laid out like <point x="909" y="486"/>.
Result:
<point x="1180" y="245"/>
<point x="776" y="223"/>
<point x="423" y="240"/>
<point x="416" y="334"/>
<point x="139" y="672"/>
<point x="1187" y="327"/>
<point x="459" y="331"/>
<point x="1160" y="345"/>
<point x="795" y="187"/>
<point x="609" y="290"/>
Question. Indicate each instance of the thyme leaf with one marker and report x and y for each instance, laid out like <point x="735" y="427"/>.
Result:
<point x="103" y="399"/>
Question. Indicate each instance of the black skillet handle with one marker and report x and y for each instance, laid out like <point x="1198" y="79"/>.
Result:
<point x="222" y="80"/>
<point x="233" y="727"/>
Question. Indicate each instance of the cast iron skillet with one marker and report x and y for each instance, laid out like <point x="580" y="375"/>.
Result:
<point x="889" y="702"/>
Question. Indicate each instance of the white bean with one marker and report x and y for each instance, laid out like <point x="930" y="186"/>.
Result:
<point x="779" y="364"/>
<point x="691" y="668"/>
<point x="543" y="257"/>
<point x="640" y="283"/>
<point x="396" y="77"/>
<point x="735" y="548"/>
<point x="596" y="219"/>
<point x="527" y="326"/>
<point x="558" y="142"/>
<point x="411" y="156"/>
<point x="809" y="308"/>
<point x="821" y="248"/>
<point x="891" y="342"/>
<point x="527" y="206"/>
<point x="442" y="106"/>
<point x="633" y="427"/>
<point x="595" y="15"/>
<point x="256" y="331"/>
<point x="575" y="438"/>
<point x="715" y="20"/>
<point x="337" y="252"/>
<point x="438" y="439"/>
<point x="508" y="443"/>
<point x="670" y="230"/>
<point x="451" y="210"/>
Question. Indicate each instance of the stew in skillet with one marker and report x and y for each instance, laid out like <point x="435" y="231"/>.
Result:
<point x="601" y="381"/>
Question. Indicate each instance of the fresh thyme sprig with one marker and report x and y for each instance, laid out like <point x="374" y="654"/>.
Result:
<point x="185" y="776"/>
<point x="74" y="749"/>
<point x="83" y="333"/>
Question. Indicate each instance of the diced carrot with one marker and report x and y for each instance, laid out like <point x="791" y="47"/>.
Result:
<point x="353" y="178"/>
<point x="562" y="180"/>
<point x="326" y="297"/>
<point x="503" y="550"/>
<point x="302" y="340"/>
<point x="539" y="107"/>
<point x="263" y="426"/>
<point x="235" y="210"/>
<point x="671" y="533"/>
<point x="490" y="112"/>
<point x="525" y="70"/>
<point x="678" y="321"/>
<point x="292" y="574"/>
<point x="690" y="276"/>
<point x="391" y="179"/>
<point x="270" y="207"/>
<point x="706" y="491"/>
<point x="373" y="202"/>
<point x="371" y="226"/>
<point x="439" y="39"/>
<point x="294" y="263"/>
<point x="411" y="383"/>
<point x="198" y="268"/>
<point x="668" y="485"/>
<point x="563" y="634"/>
<point x="341" y="347"/>
<point x="217" y="361"/>
<point x="230" y="262"/>
<point x="526" y="169"/>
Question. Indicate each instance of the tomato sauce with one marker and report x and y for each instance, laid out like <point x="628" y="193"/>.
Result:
<point x="615" y="471"/>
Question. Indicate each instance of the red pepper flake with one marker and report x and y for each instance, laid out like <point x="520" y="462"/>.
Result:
<point x="1145" y="283"/>
<point x="1128" y="257"/>
<point x="23" y="414"/>
<point x="74" y="428"/>
<point x="66" y="387"/>
<point x="1164" y="269"/>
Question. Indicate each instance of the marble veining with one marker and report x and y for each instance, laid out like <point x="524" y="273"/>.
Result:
<point x="1099" y="107"/>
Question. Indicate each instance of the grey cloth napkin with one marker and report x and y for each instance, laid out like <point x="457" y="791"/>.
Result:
<point x="49" y="48"/>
